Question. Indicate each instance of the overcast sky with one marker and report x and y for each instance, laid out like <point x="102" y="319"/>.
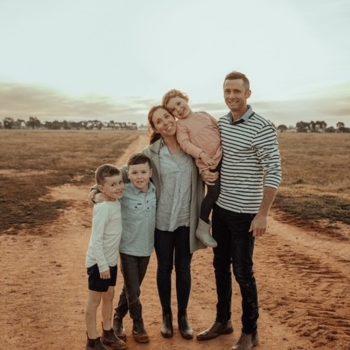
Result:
<point x="113" y="59"/>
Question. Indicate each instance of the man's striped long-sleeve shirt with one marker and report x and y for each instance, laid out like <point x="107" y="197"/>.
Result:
<point x="251" y="160"/>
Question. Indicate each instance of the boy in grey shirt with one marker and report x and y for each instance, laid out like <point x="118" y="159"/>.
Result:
<point x="102" y="258"/>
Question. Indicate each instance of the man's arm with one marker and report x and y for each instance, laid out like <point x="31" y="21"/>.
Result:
<point x="266" y="145"/>
<point x="259" y="224"/>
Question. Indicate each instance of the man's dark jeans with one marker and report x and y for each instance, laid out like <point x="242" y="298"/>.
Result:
<point x="236" y="246"/>
<point x="170" y="245"/>
<point x="134" y="269"/>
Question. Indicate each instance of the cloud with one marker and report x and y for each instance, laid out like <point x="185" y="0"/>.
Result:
<point x="21" y="101"/>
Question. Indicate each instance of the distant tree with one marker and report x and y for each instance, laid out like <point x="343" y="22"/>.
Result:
<point x="20" y="124"/>
<point x="312" y="126"/>
<point x="282" y="128"/>
<point x="56" y="125"/>
<point x="9" y="123"/>
<point x="330" y="129"/>
<point x="340" y="125"/>
<point x="66" y="125"/>
<point x="0" y="124"/>
<point x="320" y="125"/>
<point x="302" y="126"/>
<point x="33" y="123"/>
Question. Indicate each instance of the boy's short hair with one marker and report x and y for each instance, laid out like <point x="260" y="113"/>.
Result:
<point x="139" y="158"/>
<point x="105" y="170"/>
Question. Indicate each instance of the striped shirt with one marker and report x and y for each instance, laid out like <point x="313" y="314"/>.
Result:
<point x="251" y="160"/>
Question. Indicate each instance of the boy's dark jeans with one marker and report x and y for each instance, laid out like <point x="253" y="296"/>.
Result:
<point x="236" y="245"/>
<point x="134" y="269"/>
<point x="169" y="245"/>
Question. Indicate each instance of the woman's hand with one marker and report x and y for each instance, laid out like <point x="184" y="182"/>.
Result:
<point x="91" y="197"/>
<point x="95" y="197"/>
<point x="209" y="177"/>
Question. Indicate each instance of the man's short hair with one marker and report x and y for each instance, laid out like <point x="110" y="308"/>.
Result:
<point x="105" y="170"/>
<point x="238" y="75"/>
<point x="139" y="158"/>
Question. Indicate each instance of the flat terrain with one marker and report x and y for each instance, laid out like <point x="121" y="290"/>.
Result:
<point x="302" y="265"/>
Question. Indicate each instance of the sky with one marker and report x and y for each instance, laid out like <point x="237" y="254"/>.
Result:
<point x="114" y="59"/>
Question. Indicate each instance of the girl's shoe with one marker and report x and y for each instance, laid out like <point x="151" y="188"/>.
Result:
<point x="203" y="234"/>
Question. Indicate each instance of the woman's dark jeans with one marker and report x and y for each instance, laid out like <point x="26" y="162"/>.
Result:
<point x="236" y="246"/>
<point x="134" y="269"/>
<point x="173" y="248"/>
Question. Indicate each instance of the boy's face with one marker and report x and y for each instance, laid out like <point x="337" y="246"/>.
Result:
<point x="139" y="175"/>
<point x="113" y="188"/>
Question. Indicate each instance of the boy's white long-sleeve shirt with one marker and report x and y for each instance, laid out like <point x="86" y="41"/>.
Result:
<point x="105" y="238"/>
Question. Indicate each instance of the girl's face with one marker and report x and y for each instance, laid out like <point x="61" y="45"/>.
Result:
<point x="178" y="107"/>
<point x="164" y="123"/>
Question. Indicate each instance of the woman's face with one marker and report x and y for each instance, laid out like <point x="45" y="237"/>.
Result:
<point x="164" y="123"/>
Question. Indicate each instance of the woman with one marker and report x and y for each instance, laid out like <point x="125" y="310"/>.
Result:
<point x="179" y="195"/>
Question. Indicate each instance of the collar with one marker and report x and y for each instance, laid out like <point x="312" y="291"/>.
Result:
<point x="245" y="117"/>
<point x="151" y="188"/>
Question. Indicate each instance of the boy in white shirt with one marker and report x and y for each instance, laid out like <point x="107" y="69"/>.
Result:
<point x="102" y="257"/>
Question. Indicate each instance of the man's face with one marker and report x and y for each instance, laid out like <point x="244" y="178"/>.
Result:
<point x="139" y="175"/>
<point x="236" y="94"/>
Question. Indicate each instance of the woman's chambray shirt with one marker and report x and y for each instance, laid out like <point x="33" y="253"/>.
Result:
<point x="175" y="197"/>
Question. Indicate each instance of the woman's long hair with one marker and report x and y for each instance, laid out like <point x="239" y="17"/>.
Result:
<point x="153" y="134"/>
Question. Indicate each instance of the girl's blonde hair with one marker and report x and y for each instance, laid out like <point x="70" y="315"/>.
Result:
<point x="171" y="94"/>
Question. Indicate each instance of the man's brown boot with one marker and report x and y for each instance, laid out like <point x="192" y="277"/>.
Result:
<point x="247" y="341"/>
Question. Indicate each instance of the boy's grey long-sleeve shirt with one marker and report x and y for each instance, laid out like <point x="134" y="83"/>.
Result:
<point x="106" y="233"/>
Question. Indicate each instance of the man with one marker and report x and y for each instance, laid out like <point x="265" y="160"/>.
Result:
<point x="249" y="177"/>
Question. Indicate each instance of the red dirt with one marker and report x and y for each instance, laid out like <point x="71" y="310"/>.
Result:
<point x="303" y="280"/>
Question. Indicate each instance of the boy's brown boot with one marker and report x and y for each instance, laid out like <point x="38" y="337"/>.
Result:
<point x="118" y="328"/>
<point x="138" y="331"/>
<point x="110" y="339"/>
<point x="94" y="344"/>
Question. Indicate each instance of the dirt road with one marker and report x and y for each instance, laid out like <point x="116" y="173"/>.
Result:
<point x="303" y="280"/>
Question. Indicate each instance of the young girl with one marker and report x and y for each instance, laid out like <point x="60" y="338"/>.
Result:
<point x="198" y="136"/>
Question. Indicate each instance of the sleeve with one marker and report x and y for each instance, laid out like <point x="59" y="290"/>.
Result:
<point x="99" y="220"/>
<point x="183" y="139"/>
<point x="266" y="144"/>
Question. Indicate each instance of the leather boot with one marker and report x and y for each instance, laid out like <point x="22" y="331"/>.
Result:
<point x="167" y="330"/>
<point x="184" y="328"/>
<point x="118" y="327"/>
<point x="138" y="331"/>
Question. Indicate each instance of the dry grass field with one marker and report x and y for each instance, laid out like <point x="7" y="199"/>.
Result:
<point x="315" y="189"/>
<point x="33" y="161"/>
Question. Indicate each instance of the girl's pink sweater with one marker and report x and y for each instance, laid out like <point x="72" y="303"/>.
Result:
<point x="199" y="132"/>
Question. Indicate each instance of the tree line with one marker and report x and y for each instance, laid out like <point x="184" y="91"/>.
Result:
<point x="35" y="123"/>
<point x="318" y="126"/>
